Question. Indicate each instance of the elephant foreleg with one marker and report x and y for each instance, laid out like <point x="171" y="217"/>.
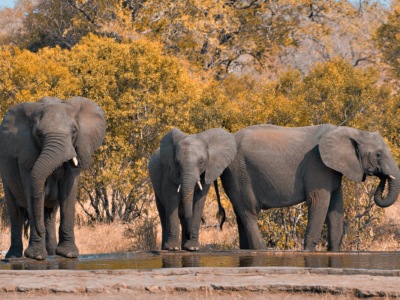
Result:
<point x="172" y="223"/>
<point x="334" y="220"/>
<point x="318" y="202"/>
<point x="198" y="208"/>
<point x="66" y="245"/>
<point x="50" y="224"/>
<point x="16" y="214"/>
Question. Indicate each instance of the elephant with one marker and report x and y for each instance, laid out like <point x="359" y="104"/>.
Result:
<point x="44" y="146"/>
<point x="281" y="166"/>
<point x="181" y="172"/>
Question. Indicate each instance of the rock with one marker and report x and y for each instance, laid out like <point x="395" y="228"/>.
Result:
<point x="152" y="288"/>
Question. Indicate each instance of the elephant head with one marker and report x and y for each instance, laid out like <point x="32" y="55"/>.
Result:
<point x="187" y="157"/>
<point x="357" y="153"/>
<point x="44" y="135"/>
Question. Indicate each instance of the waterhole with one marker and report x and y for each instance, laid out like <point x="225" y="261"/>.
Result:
<point x="182" y="259"/>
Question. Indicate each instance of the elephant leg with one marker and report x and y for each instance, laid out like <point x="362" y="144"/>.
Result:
<point x="252" y="232"/>
<point x="66" y="245"/>
<point x="161" y="213"/>
<point x="37" y="244"/>
<point x="243" y="242"/>
<point x="50" y="224"/>
<point x="318" y="202"/>
<point x="334" y="220"/>
<point x="172" y="224"/>
<point x="183" y="226"/>
<point x="17" y="220"/>
<point x="198" y="208"/>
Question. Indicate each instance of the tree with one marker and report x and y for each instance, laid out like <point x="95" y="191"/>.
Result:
<point x="387" y="39"/>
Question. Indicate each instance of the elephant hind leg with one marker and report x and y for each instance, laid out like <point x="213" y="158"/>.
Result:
<point x="318" y="202"/>
<point x="334" y="220"/>
<point x="161" y="214"/>
<point x="17" y="217"/>
<point x="249" y="222"/>
<point x="243" y="242"/>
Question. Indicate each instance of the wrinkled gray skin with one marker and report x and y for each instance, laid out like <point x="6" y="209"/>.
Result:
<point x="184" y="160"/>
<point x="279" y="167"/>
<point x="38" y="142"/>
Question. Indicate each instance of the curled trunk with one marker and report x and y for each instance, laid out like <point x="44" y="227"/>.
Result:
<point x="394" y="190"/>
<point x="56" y="150"/>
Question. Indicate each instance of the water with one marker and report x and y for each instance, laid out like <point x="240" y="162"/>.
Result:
<point x="182" y="259"/>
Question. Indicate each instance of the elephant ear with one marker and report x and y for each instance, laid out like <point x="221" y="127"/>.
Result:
<point x="221" y="151"/>
<point x="339" y="151"/>
<point x="167" y="152"/>
<point x="16" y="134"/>
<point x="92" y="129"/>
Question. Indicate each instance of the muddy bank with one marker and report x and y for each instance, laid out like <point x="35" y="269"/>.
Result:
<point x="352" y="282"/>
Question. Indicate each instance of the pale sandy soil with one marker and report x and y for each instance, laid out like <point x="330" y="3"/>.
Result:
<point x="216" y="295"/>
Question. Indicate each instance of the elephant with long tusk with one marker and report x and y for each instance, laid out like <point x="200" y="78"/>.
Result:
<point x="181" y="172"/>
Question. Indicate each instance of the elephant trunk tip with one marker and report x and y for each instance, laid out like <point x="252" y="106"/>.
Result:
<point x="391" y="197"/>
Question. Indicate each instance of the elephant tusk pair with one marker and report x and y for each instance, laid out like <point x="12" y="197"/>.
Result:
<point x="75" y="161"/>
<point x="179" y="187"/>
<point x="392" y="177"/>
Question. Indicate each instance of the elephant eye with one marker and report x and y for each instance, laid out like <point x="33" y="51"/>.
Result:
<point x="378" y="155"/>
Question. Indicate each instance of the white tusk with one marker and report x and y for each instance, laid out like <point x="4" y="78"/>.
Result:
<point x="198" y="182"/>
<point x="392" y="177"/>
<point x="179" y="188"/>
<point x="75" y="161"/>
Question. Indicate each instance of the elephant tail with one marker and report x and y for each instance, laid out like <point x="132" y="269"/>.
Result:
<point x="26" y="225"/>
<point x="221" y="210"/>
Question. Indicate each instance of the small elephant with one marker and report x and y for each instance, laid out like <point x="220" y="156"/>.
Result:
<point x="279" y="167"/>
<point x="181" y="172"/>
<point x="44" y="146"/>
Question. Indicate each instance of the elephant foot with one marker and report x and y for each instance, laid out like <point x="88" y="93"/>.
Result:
<point x="14" y="252"/>
<point x="311" y="248"/>
<point x="68" y="250"/>
<point x="51" y="249"/>
<point x="191" y="246"/>
<point x="36" y="252"/>
<point x="171" y="246"/>
<point x="262" y="246"/>
<point x="334" y="249"/>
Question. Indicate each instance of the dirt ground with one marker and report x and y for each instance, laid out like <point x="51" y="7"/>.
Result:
<point x="201" y="283"/>
<point x="187" y="295"/>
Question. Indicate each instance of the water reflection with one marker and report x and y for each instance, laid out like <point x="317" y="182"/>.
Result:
<point x="155" y="260"/>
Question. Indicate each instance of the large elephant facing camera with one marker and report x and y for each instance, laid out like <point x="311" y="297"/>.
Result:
<point x="181" y="172"/>
<point x="279" y="167"/>
<point x="44" y="146"/>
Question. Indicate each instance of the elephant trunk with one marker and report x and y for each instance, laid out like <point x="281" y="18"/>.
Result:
<point x="57" y="149"/>
<point x="394" y="190"/>
<point x="188" y="186"/>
